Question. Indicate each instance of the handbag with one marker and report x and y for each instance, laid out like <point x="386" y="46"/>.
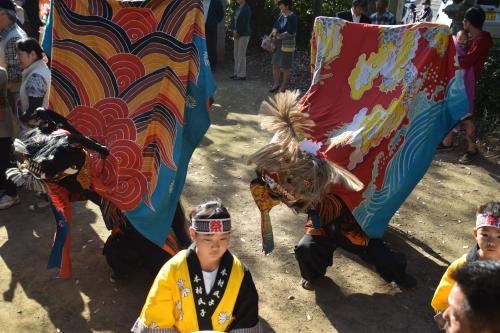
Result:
<point x="268" y="44"/>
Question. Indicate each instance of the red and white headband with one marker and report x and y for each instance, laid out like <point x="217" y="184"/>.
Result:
<point x="211" y="226"/>
<point x="484" y="220"/>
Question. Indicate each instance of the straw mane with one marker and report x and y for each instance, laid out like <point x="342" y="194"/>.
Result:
<point x="309" y="175"/>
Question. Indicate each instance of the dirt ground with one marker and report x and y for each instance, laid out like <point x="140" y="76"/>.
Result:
<point x="433" y="227"/>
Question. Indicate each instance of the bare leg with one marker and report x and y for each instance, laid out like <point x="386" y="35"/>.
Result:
<point x="286" y="76"/>
<point x="469" y="133"/>
<point x="448" y="140"/>
<point x="276" y="76"/>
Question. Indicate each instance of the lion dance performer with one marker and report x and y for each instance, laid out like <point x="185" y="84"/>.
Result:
<point x="352" y="149"/>
<point x="289" y="172"/>
<point x="131" y="86"/>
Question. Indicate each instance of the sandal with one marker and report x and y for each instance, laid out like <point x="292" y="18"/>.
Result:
<point x="468" y="157"/>
<point x="274" y="89"/>
<point x="38" y="205"/>
<point x="442" y="146"/>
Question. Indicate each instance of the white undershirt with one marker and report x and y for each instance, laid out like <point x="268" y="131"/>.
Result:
<point x="206" y="6"/>
<point x="355" y="18"/>
<point x="209" y="280"/>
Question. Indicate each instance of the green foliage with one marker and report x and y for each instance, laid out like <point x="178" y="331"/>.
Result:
<point x="304" y="12"/>
<point x="487" y="96"/>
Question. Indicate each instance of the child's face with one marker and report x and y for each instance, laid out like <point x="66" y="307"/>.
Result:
<point x="488" y="239"/>
<point x="463" y="39"/>
<point x="210" y="247"/>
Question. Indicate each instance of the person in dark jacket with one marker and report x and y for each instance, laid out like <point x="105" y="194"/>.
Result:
<point x="214" y="13"/>
<point x="355" y="14"/>
<point x="240" y="26"/>
<point x="425" y="15"/>
<point x="32" y="22"/>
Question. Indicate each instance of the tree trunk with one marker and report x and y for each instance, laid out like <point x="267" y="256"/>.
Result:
<point x="317" y="8"/>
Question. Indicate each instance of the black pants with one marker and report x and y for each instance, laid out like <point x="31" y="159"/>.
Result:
<point x="211" y="40"/>
<point x="128" y="251"/>
<point x="5" y="163"/>
<point x="315" y="253"/>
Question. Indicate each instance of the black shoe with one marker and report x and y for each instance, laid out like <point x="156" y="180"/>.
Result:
<point x="406" y="282"/>
<point x="233" y="77"/>
<point x="443" y="147"/>
<point x="274" y="89"/>
<point x="468" y="157"/>
<point x="243" y="78"/>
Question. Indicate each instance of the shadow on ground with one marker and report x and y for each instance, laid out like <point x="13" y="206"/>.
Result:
<point x="400" y="311"/>
<point x="84" y="303"/>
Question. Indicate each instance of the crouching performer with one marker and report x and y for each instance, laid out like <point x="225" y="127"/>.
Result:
<point x="290" y="171"/>
<point x="204" y="287"/>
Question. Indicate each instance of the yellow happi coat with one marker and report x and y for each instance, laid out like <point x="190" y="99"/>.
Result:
<point x="174" y="299"/>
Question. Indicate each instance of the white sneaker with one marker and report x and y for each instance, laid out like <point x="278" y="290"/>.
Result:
<point x="6" y="201"/>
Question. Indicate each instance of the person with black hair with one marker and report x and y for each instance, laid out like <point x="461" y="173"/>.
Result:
<point x="382" y="16"/>
<point x="36" y="78"/>
<point x="204" y="287"/>
<point x="474" y="301"/>
<point x="425" y="14"/>
<point x="240" y="26"/>
<point x="283" y="34"/>
<point x="487" y="247"/>
<point x="355" y="14"/>
<point x="34" y="91"/>
<point x="475" y="58"/>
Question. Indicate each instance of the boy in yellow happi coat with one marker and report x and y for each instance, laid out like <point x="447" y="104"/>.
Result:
<point x="204" y="287"/>
<point x="487" y="234"/>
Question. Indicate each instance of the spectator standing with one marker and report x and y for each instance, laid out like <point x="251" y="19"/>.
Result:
<point x="382" y="16"/>
<point x="475" y="299"/>
<point x="36" y="78"/>
<point x="8" y="123"/>
<point x="240" y="26"/>
<point x="355" y="14"/>
<point x="10" y="33"/>
<point x="21" y="17"/>
<point x="284" y="31"/>
<point x="214" y="13"/>
<point x="425" y="14"/>
<point x="475" y="58"/>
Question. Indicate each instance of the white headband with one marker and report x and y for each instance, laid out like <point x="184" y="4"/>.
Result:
<point x="211" y="226"/>
<point x="484" y="220"/>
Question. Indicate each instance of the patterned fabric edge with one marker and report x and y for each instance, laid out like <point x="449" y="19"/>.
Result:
<point x="139" y="327"/>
